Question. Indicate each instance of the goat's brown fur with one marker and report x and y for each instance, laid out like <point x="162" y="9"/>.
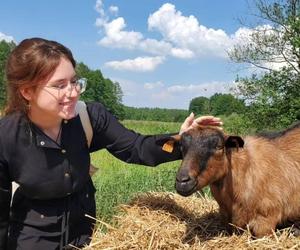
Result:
<point x="257" y="185"/>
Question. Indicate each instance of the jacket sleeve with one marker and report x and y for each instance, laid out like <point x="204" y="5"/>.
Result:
<point x="5" y="197"/>
<point x="126" y="144"/>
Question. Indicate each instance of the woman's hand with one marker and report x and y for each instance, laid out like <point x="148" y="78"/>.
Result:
<point x="190" y="122"/>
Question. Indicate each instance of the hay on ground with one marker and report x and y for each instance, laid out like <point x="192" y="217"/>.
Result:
<point x="169" y="221"/>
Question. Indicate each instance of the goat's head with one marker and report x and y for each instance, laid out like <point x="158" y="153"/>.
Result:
<point x="204" y="161"/>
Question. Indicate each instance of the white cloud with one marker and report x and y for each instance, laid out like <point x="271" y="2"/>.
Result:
<point x="249" y="37"/>
<point x="6" y="37"/>
<point x="183" y="37"/>
<point x="99" y="6"/>
<point x="187" y="34"/>
<point x="114" y="10"/>
<point x="141" y="64"/>
<point x="182" y="53"/>
<point x="154" y="85"/>
<point x="117" y="38"/>
<point x="155" y="47"/>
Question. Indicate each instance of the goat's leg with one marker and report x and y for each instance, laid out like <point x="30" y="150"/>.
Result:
<point x="262" y="226"/>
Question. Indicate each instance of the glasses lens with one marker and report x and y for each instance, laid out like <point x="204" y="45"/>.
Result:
<point x="82" y="84"/>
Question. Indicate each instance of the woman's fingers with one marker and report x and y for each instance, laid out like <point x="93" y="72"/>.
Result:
<point x="204" y="120"/>
<point x="207" y="121"/>
<point x="187" y="123"/>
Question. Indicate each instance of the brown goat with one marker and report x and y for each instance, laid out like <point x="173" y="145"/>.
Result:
<point x="256" y="181"/>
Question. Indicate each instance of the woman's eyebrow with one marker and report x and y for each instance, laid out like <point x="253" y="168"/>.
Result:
<point x="62" y="79"/>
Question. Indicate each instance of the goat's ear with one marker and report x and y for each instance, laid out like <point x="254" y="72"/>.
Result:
<point x="167" y="143"/>
<point x="234" y="142"/>
<point x="176" y="137"/>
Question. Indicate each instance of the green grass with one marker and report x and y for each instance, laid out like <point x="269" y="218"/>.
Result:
<point x="117" y="182"/>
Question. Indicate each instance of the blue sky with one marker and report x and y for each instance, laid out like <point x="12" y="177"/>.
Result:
<point x="163" y="53"/>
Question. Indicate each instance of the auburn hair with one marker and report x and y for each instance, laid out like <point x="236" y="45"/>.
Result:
<point x="33" y="61"/>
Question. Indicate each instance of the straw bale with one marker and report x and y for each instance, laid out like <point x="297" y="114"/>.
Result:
<point x="169" y="221"/>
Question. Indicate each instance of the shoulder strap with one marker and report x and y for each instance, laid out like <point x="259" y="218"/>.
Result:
<point x="87" y="127"/>
<point x="85" y="120"/>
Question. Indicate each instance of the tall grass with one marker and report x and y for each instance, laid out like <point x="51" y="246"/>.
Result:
<point x="117" y="182"/>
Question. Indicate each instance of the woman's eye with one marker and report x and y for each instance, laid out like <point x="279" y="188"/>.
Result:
<point x="59" y="86"/>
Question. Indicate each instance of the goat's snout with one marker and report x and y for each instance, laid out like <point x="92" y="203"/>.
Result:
<point x="185" y="184"/>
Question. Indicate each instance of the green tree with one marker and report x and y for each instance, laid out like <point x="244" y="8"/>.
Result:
<point x="273" y="96"/>
<point x="275" y="43"/>
<point x="199" y="105"/>
<point x="102" y="90"/>
<point x="225" y="104"/>
<point x="5" y="49"/>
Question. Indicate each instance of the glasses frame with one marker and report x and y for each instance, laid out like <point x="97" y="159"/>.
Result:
<point x="81" y="82"/>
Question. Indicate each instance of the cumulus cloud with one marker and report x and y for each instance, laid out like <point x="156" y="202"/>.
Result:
<point x="255" y="40"/>
<point x="103" y="18"/>
<point x="183" y="37"/>
<point x="117" y="38"/>
<point x="114" y="10"/>
<point x="6" y="37"/>
<point x="141" y="64"/>
<point x="182" y="53"/>
<point x="186" y="33"/>
<point x="154" y="85"/>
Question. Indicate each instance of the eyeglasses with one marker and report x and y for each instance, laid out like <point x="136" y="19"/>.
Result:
<point x="79" y="85"/>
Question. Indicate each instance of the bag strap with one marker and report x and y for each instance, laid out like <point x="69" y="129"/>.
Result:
<point x="85" y="121"/>
<point x="87" y="127"/>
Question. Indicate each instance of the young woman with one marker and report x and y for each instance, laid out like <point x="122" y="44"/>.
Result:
<point x="43" y="148"/>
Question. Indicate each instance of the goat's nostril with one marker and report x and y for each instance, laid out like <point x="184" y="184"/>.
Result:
<point x="185" y="185"/>
<point x="183" y="175"/>
<point x="185" y="178"/>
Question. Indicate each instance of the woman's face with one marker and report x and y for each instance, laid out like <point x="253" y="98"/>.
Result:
<point x="57" y="97"/>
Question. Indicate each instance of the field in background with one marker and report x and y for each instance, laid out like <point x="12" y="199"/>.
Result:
<point x="118" y="182"/>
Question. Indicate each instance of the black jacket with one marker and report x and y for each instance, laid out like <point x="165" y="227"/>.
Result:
<point x="45" y="170"/>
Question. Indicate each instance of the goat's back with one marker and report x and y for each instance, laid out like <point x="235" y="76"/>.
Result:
<point x="270" y="176"/>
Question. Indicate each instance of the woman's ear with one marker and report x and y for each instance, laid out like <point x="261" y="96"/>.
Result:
<point x="27" y="93"/>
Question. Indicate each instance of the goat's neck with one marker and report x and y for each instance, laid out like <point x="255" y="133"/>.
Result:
<point x="226" y="189"/>
<point x="237" y="165"/>
<point x="236" y="168"/>
<point x="238" y="161"/>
